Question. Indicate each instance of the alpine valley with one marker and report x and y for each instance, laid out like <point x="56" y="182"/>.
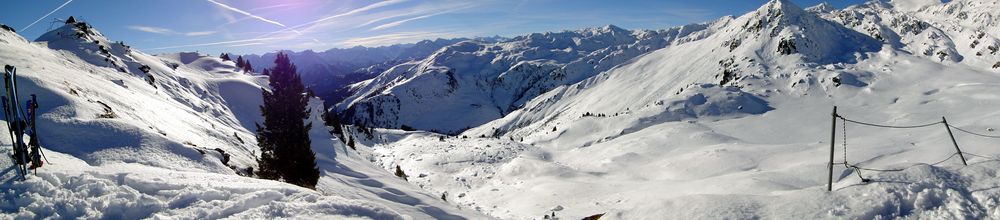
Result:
<point x="726" y="119"/>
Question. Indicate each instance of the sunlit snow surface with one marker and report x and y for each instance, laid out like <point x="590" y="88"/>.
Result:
<point x="667" y="142"/>
<point x="675" y="146"/>
<point x="145" y="161"/>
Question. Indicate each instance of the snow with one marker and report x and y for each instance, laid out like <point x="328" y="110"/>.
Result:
<point x="913" y="5"/>
<point x="472" y="82"/>
<point x="126" y="144"/>
<point x="727" y="119"/>
<point x="769" y="165"/>
<point x="70" y="188"/>
<point x="670" y="142"/>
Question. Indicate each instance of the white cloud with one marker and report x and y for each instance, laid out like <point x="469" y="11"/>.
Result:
<point x="227" y="7"/>
<point x="199" y="33"/>
<point x="167" y="31"/>
<point x="320" y="22"/>
<point x="399" y="22"/>
<point x="400" y="37"/>
<point x="246" y="44"/>
<point x="148" y="29"/>
<point x="232" y="42"/>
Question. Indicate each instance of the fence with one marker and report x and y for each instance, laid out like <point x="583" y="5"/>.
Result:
<point x="857" y="169"/>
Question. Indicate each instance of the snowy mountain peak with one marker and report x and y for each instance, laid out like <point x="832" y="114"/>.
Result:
<point x="824" y="7"/>
<point x="913" y="5"/>
<point x="89" y="44"/>
<point x="8" y="33"/>
<point x="614" y="29"/>
<point x="774" y="16"/>
<point x="780" y="7"/>
<point x="73" y="31"/>
<point x="784" y="28"/>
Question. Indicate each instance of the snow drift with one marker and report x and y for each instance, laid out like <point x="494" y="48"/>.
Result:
<point x="735" y="124"/>
<point x="131" y="135"/>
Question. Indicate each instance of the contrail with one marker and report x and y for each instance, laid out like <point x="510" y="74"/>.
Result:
<point x="266" y="37"/>
<point x="246" y="13"/>
<point x="352" y="12"/>
<point x="399" y="22"/>
<point x="231" y="8"/>
<point x="46" y="15"/>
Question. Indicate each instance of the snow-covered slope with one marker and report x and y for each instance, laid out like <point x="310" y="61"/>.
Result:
<point x="130" y="135"/>
<point x="471" y="82"/>
<point x="735" y="125"/>
<point x="338" y="61"/>
<point x="329" y="73"/>
<point x="959" y="31"/>
<point x="773" y="50"/>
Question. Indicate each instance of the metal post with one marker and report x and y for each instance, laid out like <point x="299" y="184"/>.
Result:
<point x="946" y="126"/>
<point x="833" y="138"/>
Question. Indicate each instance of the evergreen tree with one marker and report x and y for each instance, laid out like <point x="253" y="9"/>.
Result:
<point x="332" y="120"/>
<point x="239" y="62"/>
<point x="286" y="151"/>
<point x="224" y="57"/>
<point x="247" y="67"/>
<point x="399" y="173"/>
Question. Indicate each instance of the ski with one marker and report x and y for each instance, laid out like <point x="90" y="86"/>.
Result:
<point x="34" y="145"/>
<point x="15" y="122"/>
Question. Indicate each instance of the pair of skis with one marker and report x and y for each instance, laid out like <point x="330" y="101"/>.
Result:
<point x="18" y="123"/>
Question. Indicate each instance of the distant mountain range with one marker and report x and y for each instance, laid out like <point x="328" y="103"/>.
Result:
<point x="452" y="85"/>
<point x="329" y="72"/>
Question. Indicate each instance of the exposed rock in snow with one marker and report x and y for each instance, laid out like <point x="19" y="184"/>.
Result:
<point x="722" y="120"/>
<point x="821" y="8"/>
<point x="913" y="5"/>
<point x="470" y="83"/>
<point x="484" y="81"/>
<point x="168" y="137"/>
<point x="655" y="136"/>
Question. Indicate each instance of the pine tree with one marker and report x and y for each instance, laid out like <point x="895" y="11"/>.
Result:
<point x="239" y="62"/>
<point x="399" y="173"/>
<point x="333" y="121"/>
<point x="247" y="67"/>
<point x="224" y="57"/>
<point x="286" y="151"/>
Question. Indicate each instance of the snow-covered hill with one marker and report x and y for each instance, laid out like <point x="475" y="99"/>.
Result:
<point x="129" y="135"/>
<point x="727" y="119"/>
<point x="960" y="31"/>
<point x="773" y="50"/>
<point x="330" y="73"/>
<point x="471" y="82"/>
<point x="340" y="61"/>
<point x="734" y="124"/>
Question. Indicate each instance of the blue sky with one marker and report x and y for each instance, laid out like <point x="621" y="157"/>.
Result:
<point x="254" y="26"/>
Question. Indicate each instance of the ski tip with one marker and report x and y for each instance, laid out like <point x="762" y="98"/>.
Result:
<point x="8" y="68"/>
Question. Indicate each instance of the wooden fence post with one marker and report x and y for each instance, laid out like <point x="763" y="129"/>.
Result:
<point x="833" y="138"/>
<point x="945" y="121"/>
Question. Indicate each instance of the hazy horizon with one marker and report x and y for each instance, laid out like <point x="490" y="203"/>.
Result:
<point x="214" y="26"/>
